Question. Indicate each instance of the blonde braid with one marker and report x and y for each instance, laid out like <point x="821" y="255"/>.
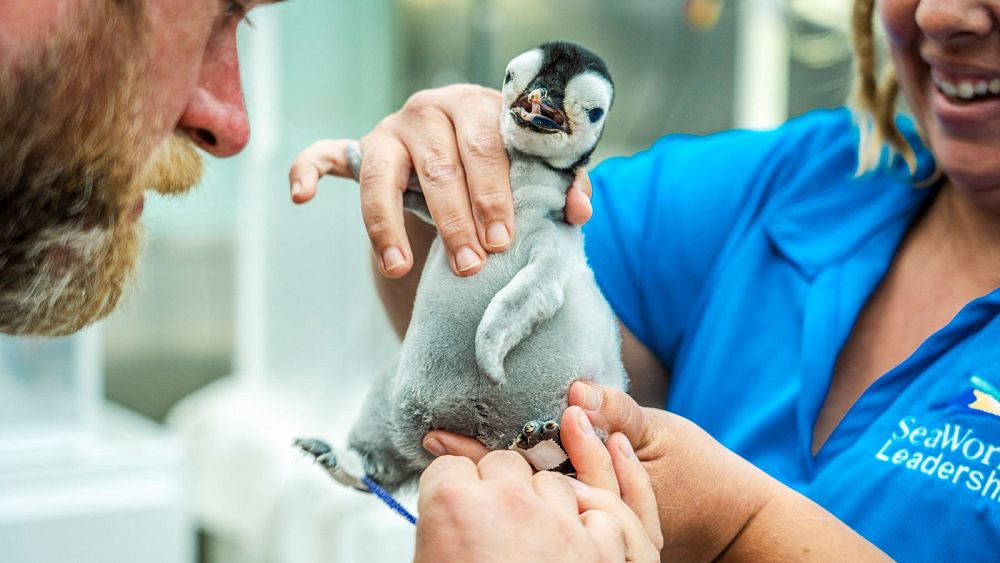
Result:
<point x="875" y="103"/>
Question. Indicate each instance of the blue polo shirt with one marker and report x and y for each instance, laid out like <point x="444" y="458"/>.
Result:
<point x="742" y="260"/>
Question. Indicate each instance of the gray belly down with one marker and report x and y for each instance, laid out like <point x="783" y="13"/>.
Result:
<point x="439" y="384"/>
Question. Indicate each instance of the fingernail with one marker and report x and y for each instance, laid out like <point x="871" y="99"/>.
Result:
<point x="584" y="423"/>
<point x="466" y="259"/>
<point x="296" y="188"/>
<point x="585" y="201"/>
<point x="497" y="235"/>
<point x="392" y="258"/>
<point x="577" y="484"/>
<point x="435" y="447"/>
<point x="592" y="396"/>
<point x="626" y="449"/>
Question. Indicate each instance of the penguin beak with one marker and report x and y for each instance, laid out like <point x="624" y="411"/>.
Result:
<point x="536" y="111"/>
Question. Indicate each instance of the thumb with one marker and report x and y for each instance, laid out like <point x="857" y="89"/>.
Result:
<point x="611" y="409"/>
<point x="439" y="443"/>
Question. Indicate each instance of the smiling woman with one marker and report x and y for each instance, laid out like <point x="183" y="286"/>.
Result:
<point x="945" y="56"/>
<point x="934" y="47"/>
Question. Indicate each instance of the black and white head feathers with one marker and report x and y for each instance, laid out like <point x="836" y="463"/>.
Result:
<point x="556" y="100"/>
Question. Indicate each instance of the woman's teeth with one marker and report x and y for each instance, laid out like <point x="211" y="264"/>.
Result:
<point x="968" y="89"/>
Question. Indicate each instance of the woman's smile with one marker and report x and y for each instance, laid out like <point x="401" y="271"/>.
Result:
<point x="964" y="97"/>
<point x="947" y="60"/>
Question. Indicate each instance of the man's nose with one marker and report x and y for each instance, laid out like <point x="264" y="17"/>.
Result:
<point x="216" y="118"/>
<point x="951" y="21"/>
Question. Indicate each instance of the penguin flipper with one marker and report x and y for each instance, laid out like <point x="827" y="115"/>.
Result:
<point x="534" y="295"/>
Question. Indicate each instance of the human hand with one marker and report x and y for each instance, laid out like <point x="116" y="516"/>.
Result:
<point x="715" y="505"/>
<point x="450" y="137"/>
<point x="608" y="515"/>
<point x="706" y="493"/>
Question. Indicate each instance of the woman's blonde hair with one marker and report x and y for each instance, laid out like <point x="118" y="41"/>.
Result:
<point x="874" y="99"/>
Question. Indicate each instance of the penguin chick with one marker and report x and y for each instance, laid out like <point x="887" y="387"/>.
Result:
<point x="492" y="355"/>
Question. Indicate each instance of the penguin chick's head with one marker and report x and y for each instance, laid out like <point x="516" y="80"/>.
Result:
<point x="556" y="99"/>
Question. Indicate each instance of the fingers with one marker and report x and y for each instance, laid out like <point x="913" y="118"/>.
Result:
<point x="320" y="159"/>
<point x="451" y="138"/>
<point x="578" y="206"/>
<point x="607" y="533"/>
<point x="487" y="169"/>
<point x="439" y="443"/>
<point x="383" y="176"/>
<point x="447" y="469"/>
<point x="590" y="458"/>
<point x="612" y="410"/>
<point x="556" y="489"/>
<point x="447" y="197"/>
<point x="636" y="487"/>
<point x="638" y="546"/>
<point x="507" y="467"/>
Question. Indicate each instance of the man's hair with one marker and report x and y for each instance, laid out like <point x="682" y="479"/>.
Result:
<point x="874" y="98"/>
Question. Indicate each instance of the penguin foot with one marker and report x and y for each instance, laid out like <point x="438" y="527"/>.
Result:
<point x="539" y="443"/>
<point x="345" y="467"/>
<point x="536" y="432"/>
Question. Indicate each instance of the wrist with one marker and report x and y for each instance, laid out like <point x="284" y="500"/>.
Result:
<point x="707" y="506"/>
<point x="757" y="508"/>
<point x="789" y="526"/>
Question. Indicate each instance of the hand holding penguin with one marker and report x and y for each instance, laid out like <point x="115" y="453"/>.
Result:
<point x="467" y="201"/>
<point x="614" y="516"/>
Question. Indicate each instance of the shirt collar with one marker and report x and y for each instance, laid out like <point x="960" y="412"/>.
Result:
<point x="823" y="227"/>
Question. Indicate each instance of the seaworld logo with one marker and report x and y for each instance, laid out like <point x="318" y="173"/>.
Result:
<point x="948" y="452"/>
<point x="951" y="452"/>
<point x="986" y="397"/>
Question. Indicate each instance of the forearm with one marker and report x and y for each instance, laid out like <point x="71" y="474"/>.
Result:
<point x="648" y="379"/>
<point x="790" y="527"/>
<point x="397" y="295"/>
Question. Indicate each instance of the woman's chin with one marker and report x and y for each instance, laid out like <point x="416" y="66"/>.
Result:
<point x="970" y="165"/>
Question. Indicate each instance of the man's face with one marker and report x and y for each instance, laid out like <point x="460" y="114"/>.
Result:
<point x="101" y="100"/>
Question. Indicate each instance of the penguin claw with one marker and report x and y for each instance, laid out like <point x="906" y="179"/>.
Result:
<point x="349" y="474"/>
<point x="312" y="446"/>
<point x="539" y="443"/>
<point x="535" y="432"/>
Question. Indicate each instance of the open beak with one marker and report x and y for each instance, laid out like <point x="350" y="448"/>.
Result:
<point x="535" y="110"/>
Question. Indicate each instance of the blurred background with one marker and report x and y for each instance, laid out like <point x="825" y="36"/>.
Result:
<point x="163" y="433"/>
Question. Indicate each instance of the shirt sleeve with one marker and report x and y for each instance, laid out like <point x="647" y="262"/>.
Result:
<point x="660" y="220"/>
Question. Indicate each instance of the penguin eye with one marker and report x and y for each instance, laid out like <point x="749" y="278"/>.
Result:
<point x="510" y="76"/>
<point x="595" y="114"/>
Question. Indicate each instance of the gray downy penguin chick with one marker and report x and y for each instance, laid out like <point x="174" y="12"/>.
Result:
<point x="492" y="355"/>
